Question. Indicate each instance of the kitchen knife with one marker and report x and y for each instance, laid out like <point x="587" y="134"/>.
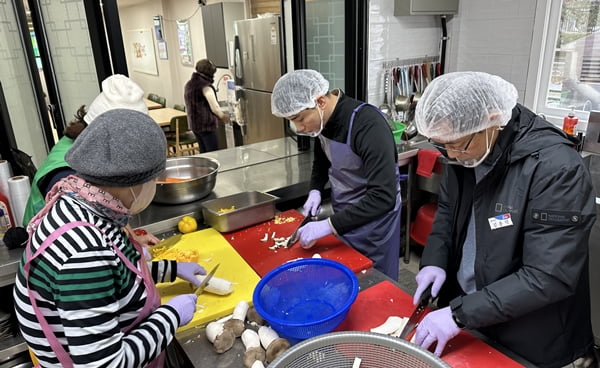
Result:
<point x="204" y="282"/>
<point x="415" y="317"/>
<point x="164" y="245"/>
<point x="294" y="237"/>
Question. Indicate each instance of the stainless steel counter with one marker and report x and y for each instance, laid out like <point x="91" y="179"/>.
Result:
<point x="9" y="261"/>
<point x="275" y="167"/>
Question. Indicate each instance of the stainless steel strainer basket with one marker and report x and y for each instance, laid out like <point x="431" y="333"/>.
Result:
<point x="340" y="350"/>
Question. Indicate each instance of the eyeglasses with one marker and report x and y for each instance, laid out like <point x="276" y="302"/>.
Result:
<point x="443" y="146"/>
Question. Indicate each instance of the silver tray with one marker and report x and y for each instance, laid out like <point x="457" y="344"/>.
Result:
<point x="249" y="208"/>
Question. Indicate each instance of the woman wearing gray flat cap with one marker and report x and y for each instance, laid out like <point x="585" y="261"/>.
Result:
<point x="84" y="294"/>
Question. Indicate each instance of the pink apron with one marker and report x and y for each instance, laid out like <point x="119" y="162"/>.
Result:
<point x="152" y="299"/>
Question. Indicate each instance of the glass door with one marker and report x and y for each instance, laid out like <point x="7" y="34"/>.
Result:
<point x="23" y="120"/>
<point x="67" y="64"/>
<point x="56" y="54"/>
<point x="330" y="36"/>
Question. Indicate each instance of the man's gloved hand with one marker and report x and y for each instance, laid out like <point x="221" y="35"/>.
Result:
<point x="312" y="206"/>
<point x="311" y="232"/>
<point x="189" y="270"/>
<point x="436" y="326"/>
<point x="185" y="306"/>
<point x="428" y="275"/>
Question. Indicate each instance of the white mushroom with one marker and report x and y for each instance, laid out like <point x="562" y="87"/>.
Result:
<point x="236" y="323"/>
<point x="258" y="364"/>
<point x="254" y="318"/>
<point x="254" y="352"/>
<point x="273" y="344"/>
<point x="391" y="325"/>
<point x="217" y="285"/>
<point x="221" y="338"/>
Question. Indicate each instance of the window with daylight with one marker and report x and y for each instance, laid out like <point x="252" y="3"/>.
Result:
<point x="572" y="79"/>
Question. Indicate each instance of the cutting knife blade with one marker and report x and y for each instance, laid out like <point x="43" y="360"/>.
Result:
<point x="204" y="282"/>
<point x="415" y="317"/>
<point x="294" y="237"/>
<point x="164" y="245"/>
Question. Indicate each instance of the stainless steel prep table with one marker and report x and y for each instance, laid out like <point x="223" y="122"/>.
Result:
<point x="275" y="167"/>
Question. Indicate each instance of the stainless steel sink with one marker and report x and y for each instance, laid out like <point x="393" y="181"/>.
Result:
<point x="408" y="149"/>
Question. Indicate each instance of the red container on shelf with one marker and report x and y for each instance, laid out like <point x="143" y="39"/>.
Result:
<point x="421" y="227"/>
<point x="569" y="122"/>
<point x="6" y="220"/>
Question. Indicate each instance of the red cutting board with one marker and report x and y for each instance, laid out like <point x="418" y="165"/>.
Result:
<point x="262" y="259"/>
<point x="375" y="304"/>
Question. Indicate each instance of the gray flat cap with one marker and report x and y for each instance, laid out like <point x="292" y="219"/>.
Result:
<point x="121" y="148"/>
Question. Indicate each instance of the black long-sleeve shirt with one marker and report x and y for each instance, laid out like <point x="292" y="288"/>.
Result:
<point x="373" y="142"/>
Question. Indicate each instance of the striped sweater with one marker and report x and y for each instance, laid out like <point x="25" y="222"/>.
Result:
<point x="88" y="295"/>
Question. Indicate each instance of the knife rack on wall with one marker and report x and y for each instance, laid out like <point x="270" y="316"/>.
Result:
<point x="408" y="79"/>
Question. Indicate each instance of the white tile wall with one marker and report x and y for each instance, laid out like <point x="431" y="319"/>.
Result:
<point x="396" y="37"/>
<point x="493" y="36"/>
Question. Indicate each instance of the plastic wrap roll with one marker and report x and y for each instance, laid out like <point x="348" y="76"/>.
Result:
<point x="19" y="189"/>
<point x="5" y="174"/>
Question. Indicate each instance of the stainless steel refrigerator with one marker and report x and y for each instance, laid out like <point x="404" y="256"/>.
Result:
<point x="258" y="63"/>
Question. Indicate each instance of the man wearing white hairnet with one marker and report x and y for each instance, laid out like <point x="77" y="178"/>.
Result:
<point x="357" y="155"/>
<point x="508" y="252"/>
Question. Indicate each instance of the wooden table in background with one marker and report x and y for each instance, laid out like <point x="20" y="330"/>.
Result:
<point x="163" y="116"/>
<point x="152" y="105"/>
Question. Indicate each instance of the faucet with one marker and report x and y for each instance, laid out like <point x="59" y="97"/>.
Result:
<point x="221" y="78"/>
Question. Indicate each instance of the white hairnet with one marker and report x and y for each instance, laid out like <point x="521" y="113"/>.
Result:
<point x="457" y="104"/>
<point x="296" y="91"/>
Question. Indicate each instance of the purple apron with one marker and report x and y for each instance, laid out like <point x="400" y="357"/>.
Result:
<point x="379" y="239"/>
<point x="152" y="298"/>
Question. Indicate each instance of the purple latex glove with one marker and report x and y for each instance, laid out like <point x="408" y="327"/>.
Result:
<point x="311" y="232"/>
<point x="189" y="270"/>
<point x="147" y="255"/>
<point x="185" y="306"/>
<point x="436" y="326"/>
<point x="428" y="275"/>
<point x="312" y="206"/>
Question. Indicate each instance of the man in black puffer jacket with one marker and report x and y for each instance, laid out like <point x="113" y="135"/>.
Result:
<point x="508" y="252"/>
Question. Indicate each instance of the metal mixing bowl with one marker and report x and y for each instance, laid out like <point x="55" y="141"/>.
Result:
<point x="342" y="349"/>
<point x="186" y="179"/>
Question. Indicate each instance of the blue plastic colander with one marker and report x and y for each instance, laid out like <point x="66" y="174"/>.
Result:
<point x="306" y="298"/>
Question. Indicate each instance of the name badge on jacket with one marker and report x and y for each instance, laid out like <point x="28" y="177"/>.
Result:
<point x="499" y="221"/>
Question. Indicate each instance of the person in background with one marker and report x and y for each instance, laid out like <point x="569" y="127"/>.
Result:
<point x="508" y="252"/>
<point x="84" y="295"/>
<point x="202" y="107"/>
<point x="118" y="91"/>
<point x="357" y="156"/>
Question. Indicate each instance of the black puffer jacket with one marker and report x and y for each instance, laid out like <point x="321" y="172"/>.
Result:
<point x="532" y="277"/>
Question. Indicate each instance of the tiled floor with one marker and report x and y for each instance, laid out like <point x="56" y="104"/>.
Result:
<point x="408" y="271"/>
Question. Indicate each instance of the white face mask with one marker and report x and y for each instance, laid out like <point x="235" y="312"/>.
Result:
<point x="476" y="162"/>
<point x="144" y="199"/>
<point x="315" y="134"/>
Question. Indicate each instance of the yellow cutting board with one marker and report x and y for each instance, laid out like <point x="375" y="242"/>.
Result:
<point x="212" y="249"/>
